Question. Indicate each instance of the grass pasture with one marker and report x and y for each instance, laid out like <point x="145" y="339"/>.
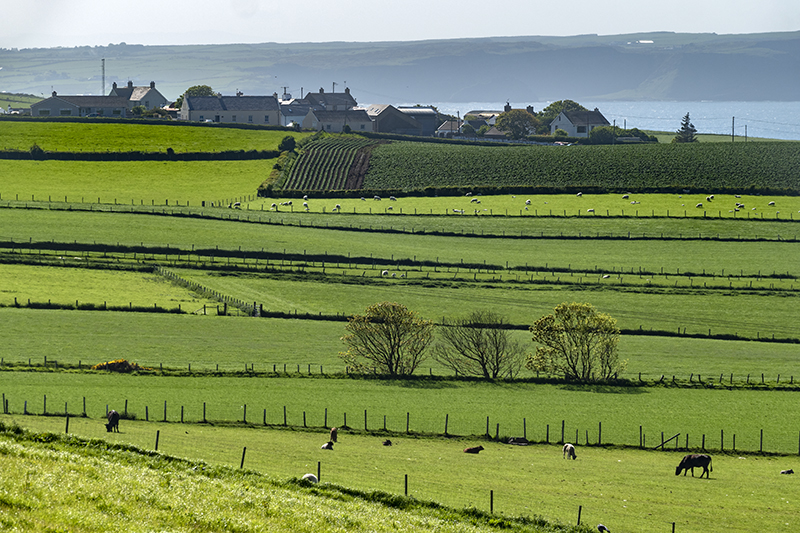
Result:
<point x="628" y="490"/>
<point x="128" y="136"/>
<point x="132" y="182"/>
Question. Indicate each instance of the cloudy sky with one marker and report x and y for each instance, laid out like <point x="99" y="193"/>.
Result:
<point x="47" y="23"/>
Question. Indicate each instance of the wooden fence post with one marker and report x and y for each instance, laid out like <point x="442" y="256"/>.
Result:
<point x="158" y="433"/>
<point x="524" y="429"/>
<point x="244" y="450"/>
<point x="580" y="507"/>
<point x="406" y="484"/>
<point x="491" y="502"/>
<point x="446" y="420"/>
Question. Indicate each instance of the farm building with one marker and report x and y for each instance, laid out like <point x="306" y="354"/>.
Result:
<point x="427" y="116"/>
<point x="331" y="101"/>
<point x="388" y="119"/>
<point x="81" y="106"/>
<point x="578" y="123"/>
<point x="148" y="96"/>
<point x="335" y="121"/>
<point x="232" y="109"/>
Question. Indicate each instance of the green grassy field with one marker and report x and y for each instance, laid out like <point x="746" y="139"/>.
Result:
<point x="717" y="414"/>
<point x="627" y="490"/>
<point x="132" y="182"/>
<point x="130" y="137"/>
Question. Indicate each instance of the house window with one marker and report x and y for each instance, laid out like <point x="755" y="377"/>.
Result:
<point x="266" y="119"/>
<point x="329" y="127"/>
<point x="44" y="112"/>
<point x="117" y="112"/>
<point x="362" y="126"/>
<point x="233" y="118"/>
<point x="201" y="118"/>
<point x="66" y="112"/>
<point x="249" y="118"/>
<point x="581" y="129"/>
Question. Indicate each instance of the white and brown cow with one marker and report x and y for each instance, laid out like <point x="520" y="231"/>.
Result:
<point x="568" y="451"/>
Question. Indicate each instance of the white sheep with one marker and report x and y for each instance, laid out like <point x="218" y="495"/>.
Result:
<point x="625" y="196"/>
<point x="274" y="206"/>
<point x="305" y="197"/>
<point x="311" y="478"/>
<point x="699" y="205"/>
<point x="579" y="194"/>
<point x="590" y="210"/>
<point x="527" y="202"/>
<point x="384" y="272"/>
<point x="392" y="198"/>
<point x="376" y="197"/>
<point x="771" y="203"/>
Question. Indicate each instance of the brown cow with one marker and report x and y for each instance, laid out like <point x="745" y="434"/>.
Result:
<point x="113" y="422"/>
<point x="474" y="449"/>
<point x="334" y="434"/>
<point x="695" y="460"/>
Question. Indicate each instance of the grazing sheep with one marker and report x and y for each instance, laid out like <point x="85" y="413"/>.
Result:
<point x="376" y="197"/>
<point x="387" y="442"/>
<point x="364" y="199"/>
<point x="334" y="435"/>
<point x="579" y="194"/>
<point x="527" y="202"/>
<point x="771" y="203"/>
<point x="461" y="211"/>
<point x="568" y="451"/>
<point x="384" y="272"/>
<point x="327" y="446"/>
<point x="699" y="205"/>
<point x="473" y="200"/>
<point x="236" y="205"/>
<point x="790" y="471"/>
<point x="590" y="210"/>
<point x="392" y="198"/>
<point x="737" y="195"/>
<point x="305" y="197"/>
<point x="606" y="276"/>
<point x="518" y="441"/>
<point x="274" y="206"/>
<point x="708" y="198"/>
<point x="113" y="422"/>
<point x="337" y="206"/>
<point x="473" y="449"/>
<point x="603" y="529"/>
<point x="625" y="196"/>
<point x="305" y="204"/>
<point x="311" y="478"/>
<point x="695" y="460"/>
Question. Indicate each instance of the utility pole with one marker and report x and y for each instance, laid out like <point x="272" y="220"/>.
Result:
<point x="733" y="124"/>
<point x="103" y="71"/>
<point x="334" y="87"/>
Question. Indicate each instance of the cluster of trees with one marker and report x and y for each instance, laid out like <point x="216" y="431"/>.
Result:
<point x="576" y="342"/>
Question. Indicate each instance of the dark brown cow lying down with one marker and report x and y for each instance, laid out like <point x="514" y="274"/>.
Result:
<point x="474" y="449"/>
<point x="695" y="460"/>
<point x="113" y="422"/>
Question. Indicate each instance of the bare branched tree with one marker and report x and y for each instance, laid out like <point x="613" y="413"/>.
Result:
<point x="479" y="344"/>
<point x="388" y="339"/>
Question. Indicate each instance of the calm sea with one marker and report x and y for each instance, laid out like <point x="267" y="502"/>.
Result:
<point x="774" y="120"/>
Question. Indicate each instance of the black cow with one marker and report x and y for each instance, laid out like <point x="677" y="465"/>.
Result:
<point x="474" y="449"/>
<point x="695" y="460"/>
<point x="113" y="422"/>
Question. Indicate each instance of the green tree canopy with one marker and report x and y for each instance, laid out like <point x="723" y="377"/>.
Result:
<point x="387" y="339"/>
<point x="549" y="113"/>
<point x="288" y="144"/>
<point x="687" y="133"/>
<point x="517" y="123"/>
<point x="195" y="90"/>
<point x="467" y="130"/>
<point x="577" y="342"/>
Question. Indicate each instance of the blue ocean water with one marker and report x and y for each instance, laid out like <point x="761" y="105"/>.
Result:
<point x="773" y="120"/>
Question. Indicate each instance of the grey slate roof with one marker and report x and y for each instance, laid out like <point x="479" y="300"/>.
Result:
<point x="94" y="101"/>
<point x="581" y="118"/>
<point x="353" y="115"/>
<point x="232" y="103"/>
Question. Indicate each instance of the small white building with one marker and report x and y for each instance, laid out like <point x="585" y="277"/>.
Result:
<point x="334" y="121"/>
<point x="578" y="123"/>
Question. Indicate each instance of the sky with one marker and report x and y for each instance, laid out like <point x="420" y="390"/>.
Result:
<point x="69" y="23"/>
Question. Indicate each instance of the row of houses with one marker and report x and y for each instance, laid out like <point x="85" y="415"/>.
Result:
<point x="327" y="111"/>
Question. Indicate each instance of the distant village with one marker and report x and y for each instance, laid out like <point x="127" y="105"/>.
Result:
<point x="333" y="112"/>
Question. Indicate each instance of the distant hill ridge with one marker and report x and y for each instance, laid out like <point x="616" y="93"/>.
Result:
<point x="644" y="66"/>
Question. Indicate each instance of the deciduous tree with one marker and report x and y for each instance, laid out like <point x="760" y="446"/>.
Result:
<point x="479" y="344"/>
<point x="577" y="342"/>
<point x="517" y="123"/>
<point x="195" y="90"/>
<point x="387" y="339"/>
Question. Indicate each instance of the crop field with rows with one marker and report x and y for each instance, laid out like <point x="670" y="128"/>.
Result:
<point x="324" y="164"/>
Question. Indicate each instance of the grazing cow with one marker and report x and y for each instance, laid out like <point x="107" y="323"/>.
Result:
<point x="568" y="451"/>
<point x="474" y="449"/>
<point x="334" y="435"/>
<point x="327" y="446"/>
<point x="113" y="422"/>
<point x="790" y="471"/>
<point x="387" y="442"/>
<point x="695" y="460"/>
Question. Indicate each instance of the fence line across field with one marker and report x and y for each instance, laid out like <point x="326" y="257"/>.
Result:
<point x="399" y="426"/>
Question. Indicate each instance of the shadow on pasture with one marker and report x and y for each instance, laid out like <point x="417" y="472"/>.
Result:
<point x="604" y="389"/>
<point x="422" y="384"/>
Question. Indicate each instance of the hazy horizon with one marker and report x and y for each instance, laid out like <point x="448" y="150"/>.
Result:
<point x="62" y="23"/>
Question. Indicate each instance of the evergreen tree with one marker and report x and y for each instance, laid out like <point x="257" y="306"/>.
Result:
<point x="687" y="133"/>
